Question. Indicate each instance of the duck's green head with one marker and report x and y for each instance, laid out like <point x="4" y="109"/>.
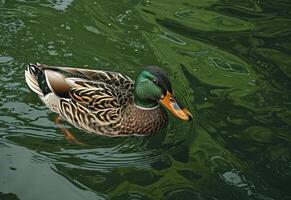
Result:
<point x="153" y="87"/>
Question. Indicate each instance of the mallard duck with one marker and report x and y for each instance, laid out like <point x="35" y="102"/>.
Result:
<point x="107" y="103"/>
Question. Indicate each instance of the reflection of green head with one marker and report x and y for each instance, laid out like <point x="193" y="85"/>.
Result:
<point x="150" y="86"/>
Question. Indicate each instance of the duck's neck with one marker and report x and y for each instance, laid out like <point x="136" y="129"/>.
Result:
<point x="145" y="103"/>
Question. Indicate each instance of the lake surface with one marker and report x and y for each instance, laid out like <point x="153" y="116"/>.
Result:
<point x="229" y="63"/>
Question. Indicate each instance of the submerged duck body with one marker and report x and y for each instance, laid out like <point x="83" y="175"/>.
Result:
<point x="105" y="103"/>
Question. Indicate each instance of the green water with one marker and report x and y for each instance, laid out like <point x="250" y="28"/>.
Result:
<point x="229" y="63"/>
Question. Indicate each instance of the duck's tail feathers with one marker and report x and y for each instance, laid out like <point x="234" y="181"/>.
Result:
<point x="32" y="76"/>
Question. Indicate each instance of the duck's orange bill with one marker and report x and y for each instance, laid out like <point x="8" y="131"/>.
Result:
<point x="172" y="105"/>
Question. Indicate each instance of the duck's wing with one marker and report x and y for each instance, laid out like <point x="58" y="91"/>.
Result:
<point x="103" y="94"/>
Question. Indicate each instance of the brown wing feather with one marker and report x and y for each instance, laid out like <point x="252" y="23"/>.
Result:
<point x="57" y="83"/>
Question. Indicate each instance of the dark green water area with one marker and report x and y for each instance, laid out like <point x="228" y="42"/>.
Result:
<point x="229" y="62"/>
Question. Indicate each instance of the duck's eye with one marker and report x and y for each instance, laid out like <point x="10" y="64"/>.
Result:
<point x="155" y="81"/>
<point x="172" y="100"/>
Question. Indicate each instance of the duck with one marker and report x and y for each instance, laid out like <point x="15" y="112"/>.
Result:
<point x="107" y="103"/>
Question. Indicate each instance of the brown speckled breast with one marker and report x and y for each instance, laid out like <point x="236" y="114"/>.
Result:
<point x="137" y="121"/>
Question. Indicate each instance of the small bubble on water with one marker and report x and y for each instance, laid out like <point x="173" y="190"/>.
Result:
<point x="68" y="54"/>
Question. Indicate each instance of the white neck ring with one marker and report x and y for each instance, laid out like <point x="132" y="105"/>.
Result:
<point x="143" y="108"/>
